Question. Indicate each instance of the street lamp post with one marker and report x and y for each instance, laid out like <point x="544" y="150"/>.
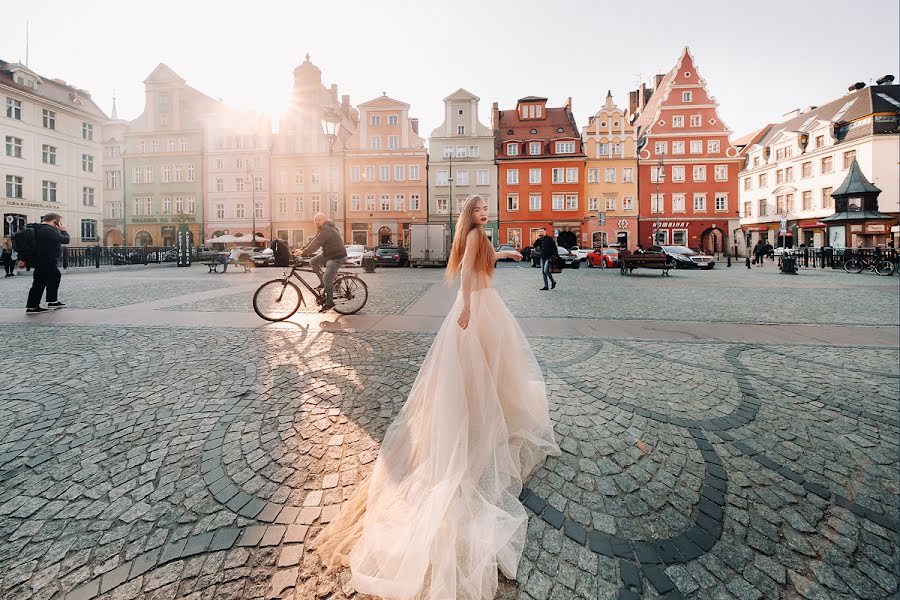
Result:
<point x="660" y="173"/>
<point x="331" y="124"/>
<point x="252" y="204"/>
<point x="450" y="199"/>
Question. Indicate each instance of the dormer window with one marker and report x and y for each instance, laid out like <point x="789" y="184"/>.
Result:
<point x="534" y="148"/>
<point x="512" y="149"/>
<point x="565" y="147"/>
<point x="531" y="111"/>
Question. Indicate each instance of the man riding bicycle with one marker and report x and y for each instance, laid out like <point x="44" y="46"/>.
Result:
<point x="333" y="256"/>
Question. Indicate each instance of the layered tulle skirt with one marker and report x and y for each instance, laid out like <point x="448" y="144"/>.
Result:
<point x="439" y="514"/>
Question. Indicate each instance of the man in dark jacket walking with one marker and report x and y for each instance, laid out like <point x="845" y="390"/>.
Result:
<point x="334" y="254"/>
<point x="281" y="254"/>
<point x="549" y="252"/>
<point x="49" y="236"/>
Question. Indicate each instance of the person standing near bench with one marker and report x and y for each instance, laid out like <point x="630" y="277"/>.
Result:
<point x="549" y="252"/>
<point x="334" y="254"/>
<point x="48" y="238"/>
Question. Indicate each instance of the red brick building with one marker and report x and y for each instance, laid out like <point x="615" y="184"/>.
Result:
<point x="540" y="171"/>
<point x="687" y="166"/>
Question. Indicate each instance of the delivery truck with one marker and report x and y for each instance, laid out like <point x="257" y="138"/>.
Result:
<point x="429" y="244"/>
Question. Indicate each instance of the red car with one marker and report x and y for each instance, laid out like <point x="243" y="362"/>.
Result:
<point x="603" y="258"/>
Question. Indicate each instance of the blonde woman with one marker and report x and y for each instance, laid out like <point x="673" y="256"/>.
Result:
<point x="439" y="514"/>
<point x="6" y="257"/>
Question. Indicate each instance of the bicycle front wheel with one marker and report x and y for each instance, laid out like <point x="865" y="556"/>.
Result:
<point x="350" y="294"/>
<point x="854" y="265"/>
<point x="277" y="300"/>
<point x="884" y="267"/>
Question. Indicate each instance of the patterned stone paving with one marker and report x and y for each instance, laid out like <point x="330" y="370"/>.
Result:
<point x="142" y="462"/>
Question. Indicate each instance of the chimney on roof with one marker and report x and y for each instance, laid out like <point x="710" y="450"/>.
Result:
<point x="856" y="86"/>
<point x="791" y="114"/>
<point x="345" y="104"/>
<point x="569" y="103"/>
<point x="633" y="101"/>
<point x="886" y="80"/>
<point x="495" y="116"/>
<point x="333" y="90"/>
<point x="414" y="123"/>
<point x="643" y="95"/>
<point x="657" y="79"/>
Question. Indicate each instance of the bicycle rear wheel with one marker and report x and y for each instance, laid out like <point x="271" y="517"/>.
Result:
<point x="350" y="294"/>
<point x="277" y="300"/>
<point x="854" y="265"/>
<point x="884" y="267"/>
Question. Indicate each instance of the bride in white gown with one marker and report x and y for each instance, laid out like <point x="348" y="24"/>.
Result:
<point x="439" y="514"/>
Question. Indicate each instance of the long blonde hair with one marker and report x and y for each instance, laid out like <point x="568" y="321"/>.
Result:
<point x="484" y="260"/>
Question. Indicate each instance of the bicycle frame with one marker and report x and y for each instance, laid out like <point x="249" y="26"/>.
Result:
<point x="295" y="273"/>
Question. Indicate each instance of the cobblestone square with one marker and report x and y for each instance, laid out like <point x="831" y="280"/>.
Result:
<point x="725" y="434"/>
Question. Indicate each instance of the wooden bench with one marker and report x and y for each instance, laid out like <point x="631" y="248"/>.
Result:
<point x="216" y="266"/>
<point x="647" y="260"/>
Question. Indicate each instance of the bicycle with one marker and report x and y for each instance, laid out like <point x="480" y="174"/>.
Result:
<point x="279" y="299"/>
<point x="879" y="265"/>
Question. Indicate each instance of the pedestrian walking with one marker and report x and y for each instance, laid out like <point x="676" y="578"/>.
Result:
<point x="549" y="253"/>
<point x="9" y="265"/>
<point x="40" y="246"/>
<point x="759" y="253"/>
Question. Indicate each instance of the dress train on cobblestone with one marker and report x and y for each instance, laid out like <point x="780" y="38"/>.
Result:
<point x="439" y="513"/>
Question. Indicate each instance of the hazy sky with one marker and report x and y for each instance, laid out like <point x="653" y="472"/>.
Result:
<point x="760" y="59"/>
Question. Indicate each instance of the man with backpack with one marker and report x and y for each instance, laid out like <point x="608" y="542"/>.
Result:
<point x="40" y="246"/>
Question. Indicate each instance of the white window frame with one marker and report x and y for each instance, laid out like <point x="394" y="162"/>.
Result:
<point x="657" y="203"/>
<point x="558" y="202"/>
<point x="565" y="147"/>
<point x="609" y="175"/>
<point x="696" y="121"/>
<point x="534" y="202"/>
<point x="687" y="96"/>
<point x="399" y="173"/>
<point x="628" y="203"/>
<point x="609" y="202"/>
<point x="571" y="174"/>
<point x="393" y="142"/>
<point x="512" y="149"/>
<point x="413" y="174"/>
<point x="679" y="233"/>
<point x="484" y="177"/>
<point x="593" y="175"/>
<point x="462" y="177"/>
<point x="678" y="121"/>
<point x="698" y="173"/>
<point x="534" y="148"/>
<point x="571" y="201"/>
<point x="723" y="196"/>
<point x="392" y="120"/>
<point x="593" y="204"/>
<point x="628" y="175"/>
<point x="678" y="147"/>
<point x="696" y="146"/>
<point x="474" y="151"/>
<point x="720" y="172"/>
<point x="678" y="203"/>
<point x="384" y="173"/>
<point x="384" y="203"/>
<point x="375" y="120"/>
<point x="713" y="146"/>
<point x="414" y="202"/>
<point x="699" y="203"/>
<point x="512" y="202"/>
<point x="661" y="147"/>
<point x="558" y="175"/>
<point x="677" y="173"/>
<point x="512" y="177"/>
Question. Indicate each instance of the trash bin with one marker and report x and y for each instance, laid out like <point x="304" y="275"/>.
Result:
<point x="368" y="264"/>
<point x="789" y="264"/>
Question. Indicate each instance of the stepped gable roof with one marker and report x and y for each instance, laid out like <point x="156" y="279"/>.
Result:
<point x="53" y="90"/>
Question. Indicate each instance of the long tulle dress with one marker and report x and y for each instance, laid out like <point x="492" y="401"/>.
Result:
<point x="439" y="513"/>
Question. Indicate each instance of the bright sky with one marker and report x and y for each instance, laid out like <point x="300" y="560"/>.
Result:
<point x="760" y="59"/>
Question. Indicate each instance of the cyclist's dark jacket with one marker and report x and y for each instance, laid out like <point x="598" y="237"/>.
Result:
<point x="330" y="240"/>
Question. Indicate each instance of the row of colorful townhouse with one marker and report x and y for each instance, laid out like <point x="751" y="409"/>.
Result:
<point x="663" y="169"/>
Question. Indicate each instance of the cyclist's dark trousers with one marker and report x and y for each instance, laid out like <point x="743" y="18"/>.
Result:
<point x="327" y="279"/>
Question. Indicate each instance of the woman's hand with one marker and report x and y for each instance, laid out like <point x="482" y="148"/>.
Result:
<point x="513" y="254"/>
<point x="463" y="319"/>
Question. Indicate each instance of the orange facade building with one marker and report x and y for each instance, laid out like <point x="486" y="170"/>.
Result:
<point x="687" y="166"/>
<point x="386" y="175"/>
<point x="540" y="163"/>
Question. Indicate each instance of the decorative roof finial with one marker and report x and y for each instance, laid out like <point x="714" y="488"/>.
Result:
<point x="115" y="113"/>
<point x="307" y="57"/>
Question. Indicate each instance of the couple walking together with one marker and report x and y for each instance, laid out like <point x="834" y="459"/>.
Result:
<point x="439" y="515"/>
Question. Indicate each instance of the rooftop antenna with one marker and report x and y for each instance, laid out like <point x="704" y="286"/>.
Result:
<point x="26" y="42"/>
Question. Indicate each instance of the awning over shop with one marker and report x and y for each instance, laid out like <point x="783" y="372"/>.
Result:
<point x="811" y="225"/>
<point x="756" y="228"/>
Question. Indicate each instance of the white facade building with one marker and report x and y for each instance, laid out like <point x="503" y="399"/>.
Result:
<point x="461" y="159"/>
<point x="113" y="179"/>
<point x="793" y="167"/>
<point x="238" y="186"/>
<point x="52" y="154"/>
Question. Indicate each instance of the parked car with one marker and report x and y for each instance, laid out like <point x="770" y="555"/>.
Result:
<point x="603" y="258"/>
<point x="685" y="258"/>
<point x="782" y="250"/>
<point x="581" y="253"/>
<point x="506" y="248"/>
<point x="205" y="253"/>
<point x="388" y="256"/>
<point x="569" y="259"/>
<point x="355" y="254"/>
<point x="263" y="258"/>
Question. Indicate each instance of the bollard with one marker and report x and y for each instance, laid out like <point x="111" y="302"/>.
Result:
<point x="728" y="260"/>
<point x="748" y="261"/>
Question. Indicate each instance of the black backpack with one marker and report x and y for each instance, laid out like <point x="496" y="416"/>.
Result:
<point x="24" y="243"/>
